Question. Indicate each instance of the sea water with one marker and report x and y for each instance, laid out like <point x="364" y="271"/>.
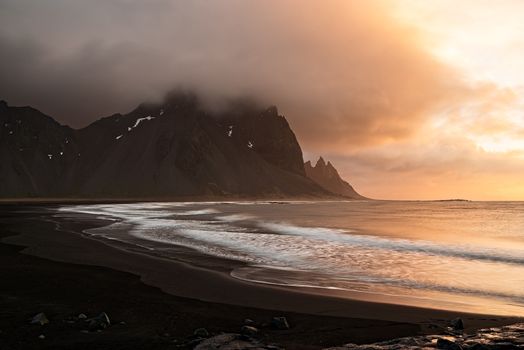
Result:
<point x="459" y="255"/>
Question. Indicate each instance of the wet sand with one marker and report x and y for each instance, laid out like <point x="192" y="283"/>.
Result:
<point x="63" y="273"/>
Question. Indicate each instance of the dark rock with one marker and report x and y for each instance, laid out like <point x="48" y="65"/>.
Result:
<point x="233" y="342"/>
<point x="501" y="338"/>
<point x="265" y="132"/>
<point x="99" y="322"/>
<point x="446" y="344"/>
<point x="478" y="347"/>
<point x="217" y="342"/>
<point x="201" y="332"/>
<point x="180" y="149"/>
<point x="504" y="346"/>
<point x="188" y="343"/>
<point x="457" y="324"/>
<point x="328" y="178"/>
<point x="279" y="323"/>
<point x="40" y="319"/>
<point x="249" y="322"/>
<point x="249" y="331"/>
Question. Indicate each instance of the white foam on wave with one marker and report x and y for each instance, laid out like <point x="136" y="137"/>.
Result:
<point x="266" y="275"/>
<point x="282" y="283"/>
<point x="396" y="244"/>
<point x="197" y="212"/>
<point x="311" y="232"/>
<point x="142" y="214"/>
<point x="235" y="217"/>
<point x="327" y="257"/>
<point x="201" y="240"/>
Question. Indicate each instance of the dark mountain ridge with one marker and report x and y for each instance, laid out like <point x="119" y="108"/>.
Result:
<point x="171" y="149"/>
<point x="328" y="178"/>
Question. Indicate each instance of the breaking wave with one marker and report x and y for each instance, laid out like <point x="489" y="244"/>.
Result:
<point x="291" y="253"/>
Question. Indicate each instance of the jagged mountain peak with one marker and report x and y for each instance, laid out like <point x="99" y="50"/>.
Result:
<point x="160" y="150"/>
<point x="271" y="110"/>
<point x="326" y="175"/>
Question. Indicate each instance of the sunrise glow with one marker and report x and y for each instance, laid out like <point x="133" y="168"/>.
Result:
<point x="428" y="92"/>
<point x="262" y="174"/>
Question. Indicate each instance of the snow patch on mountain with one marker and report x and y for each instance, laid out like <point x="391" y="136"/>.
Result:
<point x="138" y="121"/>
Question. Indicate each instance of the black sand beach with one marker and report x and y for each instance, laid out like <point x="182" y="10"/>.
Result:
<point x="48" y="266"/>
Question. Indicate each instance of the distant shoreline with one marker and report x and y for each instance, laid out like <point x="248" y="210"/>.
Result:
<point x="98" y="200"/>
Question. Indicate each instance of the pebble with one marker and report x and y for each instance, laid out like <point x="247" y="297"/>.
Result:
<point x="201" y="332"/>
<point x="249" y="331"/>
<point x="99" y="322"/>
<point x="279" y="323"/>
<point x="230" y="341"/>
<point x="445" y="344"/>
<point x="457" y="324"/>
<point x="249" y="322"/>
<point x="40" y="319"/>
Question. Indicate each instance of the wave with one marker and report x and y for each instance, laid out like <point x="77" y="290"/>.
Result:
<point x="197" y="212"/>
<point x="394" y="244"/>
<point x="289" y="254"/>
<point x="304" y="279"/>
<point x="235" y="217"/>
<point x="148" y="215"/>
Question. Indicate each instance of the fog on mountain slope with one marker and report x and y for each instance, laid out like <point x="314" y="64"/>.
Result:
<point x="171" y="149"/>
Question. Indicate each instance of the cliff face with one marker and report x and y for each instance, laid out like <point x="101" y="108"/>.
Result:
<point x="158" y="150"/>
<point x="36" y="153"/>
<point x="328" y="178"/>
<point x="268" y="134"/>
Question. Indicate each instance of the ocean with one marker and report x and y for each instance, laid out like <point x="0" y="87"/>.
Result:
<point x="455" y="255"/>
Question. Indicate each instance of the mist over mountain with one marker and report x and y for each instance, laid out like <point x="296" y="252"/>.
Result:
<point x="158" y="150"/>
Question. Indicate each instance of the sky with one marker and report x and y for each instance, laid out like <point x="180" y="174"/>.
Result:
<point x="409" y="99"/>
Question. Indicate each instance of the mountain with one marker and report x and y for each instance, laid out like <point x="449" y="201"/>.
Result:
<point x="169" y="149"/>
<point x="36" y="153"/>
<point x="328" y="178"/>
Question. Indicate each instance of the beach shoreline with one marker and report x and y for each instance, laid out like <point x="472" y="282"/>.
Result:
<point x="61" y="244"/>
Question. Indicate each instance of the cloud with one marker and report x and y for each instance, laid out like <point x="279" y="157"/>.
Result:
<point x="437" y="169"/>
<point x="381" y="99"/>
<point x="344" y="73"/>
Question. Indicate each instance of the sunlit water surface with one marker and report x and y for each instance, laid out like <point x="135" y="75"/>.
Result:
<point x="452" y="255"/>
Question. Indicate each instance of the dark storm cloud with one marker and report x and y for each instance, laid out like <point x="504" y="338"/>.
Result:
<point x="345" y="73"/>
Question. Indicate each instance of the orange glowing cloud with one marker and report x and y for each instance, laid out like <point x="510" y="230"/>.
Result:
<point x="410" y="99"/>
